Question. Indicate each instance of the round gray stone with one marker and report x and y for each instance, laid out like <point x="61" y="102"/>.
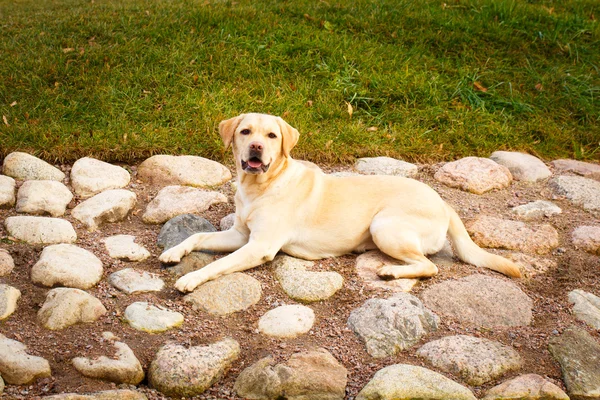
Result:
<point x="226" y="295"/>
<point x="152" y="319"/>
<point x="536" y="210"/>
<point x="476" y="360"/>
<point x="179" y="228"/>
<point x="522" y="166"/>
<point x="586" y="307"/>
<point x="480" y="300"/>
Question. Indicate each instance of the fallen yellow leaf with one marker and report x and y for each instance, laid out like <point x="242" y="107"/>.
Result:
<point x="5" y="120"/>
<point x="350" y="109"/>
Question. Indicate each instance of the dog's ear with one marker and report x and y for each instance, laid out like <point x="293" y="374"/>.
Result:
<point x="227" y="129"/>
<point x="289" y="136"/>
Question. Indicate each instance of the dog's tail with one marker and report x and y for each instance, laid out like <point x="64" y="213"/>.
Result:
<point x="470" y="253"/>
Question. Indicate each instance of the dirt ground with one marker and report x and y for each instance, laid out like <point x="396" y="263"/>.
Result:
<point x="575" y="269"/>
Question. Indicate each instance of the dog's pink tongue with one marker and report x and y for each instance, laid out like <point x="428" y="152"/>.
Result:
<point x="254" y="164"/>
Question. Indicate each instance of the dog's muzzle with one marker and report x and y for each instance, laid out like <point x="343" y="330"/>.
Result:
<point x="254" y="164"/>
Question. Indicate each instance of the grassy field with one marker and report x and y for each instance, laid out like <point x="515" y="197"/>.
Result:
<point x="425" y="80"/>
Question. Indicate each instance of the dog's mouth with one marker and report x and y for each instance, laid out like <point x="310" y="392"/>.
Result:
<point x="254" y="165"/>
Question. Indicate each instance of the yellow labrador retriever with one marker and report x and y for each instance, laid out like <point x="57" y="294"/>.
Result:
<point x="283" y="204"/>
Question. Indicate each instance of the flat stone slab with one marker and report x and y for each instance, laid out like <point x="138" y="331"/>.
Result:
<point x="176" y="200"/>
<point x="7" y="264"/>
<point x="536" y="210"/>
<point x="109" y="206"/>
<point x="367" y="265"/>
<point x="123" y="247"/>
<point x="7" y="191"/>
<point x="586" y="307"/>
<point x="152" y="319"/>
<point x="179" y="228"/>
<point x="40" y="230"/>
<point x="475" y="360"/>
<point x="306" y="375"/>
<point x="118" y="394"/>
<point x="585" y="169"/>
<point x="287" y="321"/>
<point x="388" y="326"/>
<point x="90" y="177"/>
<point x="178" y="371"/>
<point x="500" y="233"/>
<point x="43" y="197"/>
<point x="67" y="265"/>
<point x="526" y="387"/>
<point x="183" y="170"/>
<point x="580" y="191"/>
<point x="123" y="368"/>
<point x="17" y="367"/>
<point x="385" y="166"/>
<point x="480" y="300"/>
<point x="578" y="354"/>
<point x="67" y="306"/>
<point x="408" y="382"/>
<point x="529" y="265"/>
<point x="522" y="166"/>
<point x="8" y="300"/>
<point x="226" y="295"/>
<point x="24" y="167"/>
<point x="131" y="281"/>
<point x="587" y="238"/>
<point x="474" y="174"/>
<point x="303" y="285"/>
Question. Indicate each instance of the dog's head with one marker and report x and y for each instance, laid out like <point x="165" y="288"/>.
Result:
<point x="259" y="141"/>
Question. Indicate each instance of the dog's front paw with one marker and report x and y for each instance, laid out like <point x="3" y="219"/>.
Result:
<point x="191" y="281"/>
<point x="172" y="256"/>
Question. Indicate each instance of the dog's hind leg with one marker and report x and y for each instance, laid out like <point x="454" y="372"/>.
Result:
<point x="399" y="238"/>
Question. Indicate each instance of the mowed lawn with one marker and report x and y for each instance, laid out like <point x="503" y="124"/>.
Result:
<point x="422" y="80"/>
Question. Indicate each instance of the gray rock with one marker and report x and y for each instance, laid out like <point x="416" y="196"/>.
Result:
<point x="578" y="354"/>
<point x="474" y="174"/>
<point x="7" y="264"/>
<point x="109" y="206"/>
<point x="580" y="191"/>
<point x="388" y="326"/>
<point x="125" y="368"/>
<point x="385" y="166"/>
<point x="227" y="222"/>
<point x="176" y="200"/>
<point x="67" y="265"/>
<point x="40" y="230"/>
<point x="24" y="167"/>
<point x="586" y="307"/>
<point x="179" y="228"/>
<point x="367" y="265"/>
<point x="513" y="235"/>
<point x="152" y="319"/>
<point x="480" y="300"/>
<point x="287" y="321"/>
<point x="475" y="360"/>
<point x="183" y="170"/>
<point x="185" y="372"/>
<point x="226" y="295"/>
<point x="526" y="387"/>
<point x="131" y="281"/>
<point x="122" y="394"/>
<point x="66" y="306"/>
<point x="123" y="247"/>
<point x="587" y="238"/>
<point x="43" y="197"/>
<point x="17" y="367"/>
<point x="408" y="382"/>
<point x="585" y="169"/>
<point x="303" y="285"/>
<point x="306" y="375"/>
<point x="8" y="300"/>
<point x="90" y="176"/>
<point x="7" y="191"/>
<point x="536" y="210"/>
<point x="523" y="167"/>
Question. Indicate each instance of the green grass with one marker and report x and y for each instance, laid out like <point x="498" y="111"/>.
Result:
<point x="122" y="80"/>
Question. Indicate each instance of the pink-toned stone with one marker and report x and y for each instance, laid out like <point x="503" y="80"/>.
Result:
<point x="474" y="174"/>
<point x="589" y="170"/>
<point x="587" y="238"/>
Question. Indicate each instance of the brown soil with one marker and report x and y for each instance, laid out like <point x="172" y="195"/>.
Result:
<point x="575" y="269"/>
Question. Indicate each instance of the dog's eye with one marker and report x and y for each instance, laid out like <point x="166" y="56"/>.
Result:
<point x="272" y="135"/>
<point x="245" y="131"/>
